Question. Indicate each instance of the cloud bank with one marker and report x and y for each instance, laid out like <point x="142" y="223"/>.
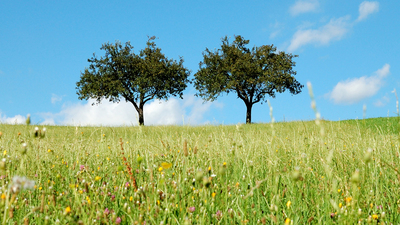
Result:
<point x="18" y="119"/>
<point x="303" y="6"/>
<point x="159" y="112"/>
<point x="354" y="90"/>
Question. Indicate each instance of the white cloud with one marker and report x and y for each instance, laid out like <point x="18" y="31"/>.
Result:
<point x="18" y="119"/>
<point x="334" y="30"/>
<point x="304" y="6"/>
<point x="55" y="98"/>
<point x="174" y="111"/>
<point x="367" y="8"/>
<point x="356" y="89"/>
<point x="382" y="102"/>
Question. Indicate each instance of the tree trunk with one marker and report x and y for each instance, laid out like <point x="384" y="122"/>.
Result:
<point x="248" y="112"/>
<point x="141" y="117"/>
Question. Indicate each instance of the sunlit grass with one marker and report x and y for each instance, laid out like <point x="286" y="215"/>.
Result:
<point x="245" y="174"/>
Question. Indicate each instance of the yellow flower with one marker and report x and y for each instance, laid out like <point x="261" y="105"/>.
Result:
<point x="5" y="152"/>
<point x="68" y="209"/>
<point x="97" y="178"/>
<point x="371" y="205"/>
<point x="49" y="150"/>
<point x="160" y="169"/>
<point x="375" y="217"/>
<point x="3" y="196"/>
<point x="340" y="205"/>
<point x="224" y="164"/>
<point x="213" y="194"/>
<point x="339" y="190"/>
<point x="209" y="168"/>
<point x="287" y="221"/>
<point x="88" y="200"/>
<point x="348" y="199"/>
<point x="130" y="198"/>
<point x="288" y="204"/>
<point x="166" y="165"/>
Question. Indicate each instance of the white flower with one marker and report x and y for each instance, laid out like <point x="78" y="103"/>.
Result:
<point x="20" y="183"/>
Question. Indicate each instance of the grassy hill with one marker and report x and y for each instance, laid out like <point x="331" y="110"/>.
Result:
<point x="293" y="172"/>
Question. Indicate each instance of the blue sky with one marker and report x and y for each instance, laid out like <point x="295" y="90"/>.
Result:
<point x="348" y="50"/>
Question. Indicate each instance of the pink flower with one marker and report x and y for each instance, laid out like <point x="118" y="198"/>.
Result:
<point x="106" y="211"/>
<point x="218" y="215"/>
<point x="118" y="220"/>
<point x="127" y="184"/>
<point x="192" y="209"/>
<point x="81" y="167"/>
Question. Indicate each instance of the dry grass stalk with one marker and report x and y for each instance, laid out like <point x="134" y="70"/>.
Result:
<point x="195" y="150"/>
<point x="185" y="149"/>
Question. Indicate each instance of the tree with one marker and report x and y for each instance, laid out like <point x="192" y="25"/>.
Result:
<point x="135" y="78"/>
<point x="250" y="73"/>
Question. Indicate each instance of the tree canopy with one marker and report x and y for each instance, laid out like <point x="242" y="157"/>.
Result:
<point x="137" y="78"/>
<point x="252" y="74"/>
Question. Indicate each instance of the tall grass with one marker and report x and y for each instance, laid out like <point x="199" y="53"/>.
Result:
<point x="245" y="174"/>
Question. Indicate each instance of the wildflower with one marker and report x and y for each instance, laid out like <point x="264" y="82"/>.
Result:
<point x="287" y="221"/>
<point x="224" y="164"/>
<point x="81" y="167"/>
<point x="160" y="169"/>
<point x="375" y="217"/>
<point x="340" y="205"/>
<point x="3" y="196"/>
<point x="118" y="220"/>
<point x="218" y="215"/>
<point x="68" y="209"/>
<point x="288" y="204"/>
<point x="106" y="211"/>
<point x="20" y="183"/>
<point x="348" y="199"/>
<point x="192" y="209"/>
<point x="97" y="178"/>
<point x="213" y="194"/>
<point x="166" y="165"/>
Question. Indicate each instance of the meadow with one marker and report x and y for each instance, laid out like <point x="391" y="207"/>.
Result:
<point x="342" y="172"/>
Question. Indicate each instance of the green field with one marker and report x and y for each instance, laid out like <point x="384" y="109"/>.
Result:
<point x="341" y="172"/>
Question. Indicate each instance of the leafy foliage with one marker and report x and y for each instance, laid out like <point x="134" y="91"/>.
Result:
<point x="138" y="78"/>
<point x="252" y="74"/>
